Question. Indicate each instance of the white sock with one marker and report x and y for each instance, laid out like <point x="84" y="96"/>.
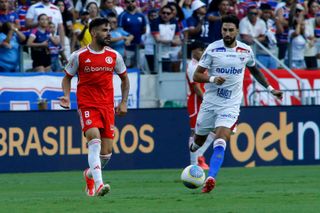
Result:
<point x="193" y="155"/>
<point x="206" y="144"/>
<point x="105" y="159"/>
<point x="94" y="148"/>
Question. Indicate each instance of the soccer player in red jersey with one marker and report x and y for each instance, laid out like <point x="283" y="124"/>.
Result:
<point x="194" y="100"/>
<point x="94" y="65"/>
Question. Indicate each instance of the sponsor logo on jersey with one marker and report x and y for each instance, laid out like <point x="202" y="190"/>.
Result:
<point x="242" y="58"/>
<point x="109" y="60"/>
<point x="231" y="70"/>
<point x="219" y="49"/>
<point x="97" y="69"/>
<point x="231" y="56"/>
<point x="88" y="60"/>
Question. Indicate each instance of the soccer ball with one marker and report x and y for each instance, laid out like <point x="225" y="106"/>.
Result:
<point x="193" y="176"/>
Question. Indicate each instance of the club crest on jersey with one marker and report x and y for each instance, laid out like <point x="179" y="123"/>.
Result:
<point x="109" y="60"/>
<point x="242" y="50"/>
<point x="88" y="122"/>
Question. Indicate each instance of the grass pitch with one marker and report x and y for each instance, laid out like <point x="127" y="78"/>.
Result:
<point x="264" y="189"/>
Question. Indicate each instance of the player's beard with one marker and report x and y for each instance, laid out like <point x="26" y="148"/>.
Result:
<point x="228" y="40"/>
<point x="104" y="41"/>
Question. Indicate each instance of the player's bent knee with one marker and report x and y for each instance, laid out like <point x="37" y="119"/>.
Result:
<point x="94" y="141"/>
<point x="220" y="142"/>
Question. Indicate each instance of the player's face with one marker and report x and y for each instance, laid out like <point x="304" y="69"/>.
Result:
<point x="229" y="33"/>
<point x="102" y="36"/>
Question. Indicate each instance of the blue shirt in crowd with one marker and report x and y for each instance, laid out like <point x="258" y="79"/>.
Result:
<point x="135" y="24"/>
<point x="9" y="59"/>
<point x="118" y="45"/>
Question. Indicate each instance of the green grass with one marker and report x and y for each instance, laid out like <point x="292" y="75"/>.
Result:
<point x="264" y="189"/>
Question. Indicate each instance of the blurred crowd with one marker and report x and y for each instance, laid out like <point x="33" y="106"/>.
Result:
<point x="50" y="30"/>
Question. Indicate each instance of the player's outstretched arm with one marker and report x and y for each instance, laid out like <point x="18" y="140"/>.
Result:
<point x="125" y="86"/>
<point x="257" y="74"/>
<point x="66" y="86"/>
<point x="200" y="76"/>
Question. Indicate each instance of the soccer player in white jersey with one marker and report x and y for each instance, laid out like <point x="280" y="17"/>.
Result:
<point x="225" y="61"/>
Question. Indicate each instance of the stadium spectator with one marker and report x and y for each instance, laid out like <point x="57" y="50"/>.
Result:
<point x="6" y="15"/>
<point x="119" y="37"/>
<point x="84" y="36"/>
<point x="270" y="41"/>
<point x="39" y="41"/>
<point x="148" y="42"/>
<point x="134" y="23"/>
<point x="220" y="108"/>
<point x="310" y="54"/>
<point x="198" y="24"/>
<point x="313" y="32"/>
<point x="96" y="100"/>
<point x="69" y="6"/>
<point x="67" y="18"/>
<point x="178" y="15"/>
<point x="313" y="9"/>
<point x="252" y="27"/>
<point x="82" y="5"/>
<point x="146" y="5"/>
<point x="282" y="13"/>
<point x="81" y="36"/>
<point x="10" y="39"/>
<point x="233" y="7"/>
<point x="217" y="9"/>
<point x="54" y="49"/>
<point x="298" y="44"/>
<point x="186" y="8"/>
<point x="23" y="6"/>
<point x="118" y="7"/>
<point x="52" y="11"/>
<point x="107" y="7"/>
<point x="194" y="100"/>
<point x="93" y="10"/>
<point x="165" y="31"/>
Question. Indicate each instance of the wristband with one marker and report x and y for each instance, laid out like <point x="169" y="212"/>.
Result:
<point x="270" y="88"/>
<point x="211" y="79"/>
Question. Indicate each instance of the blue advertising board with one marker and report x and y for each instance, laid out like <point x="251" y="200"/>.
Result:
<point x="23" y="91"/>
<point x="33" y="141"/>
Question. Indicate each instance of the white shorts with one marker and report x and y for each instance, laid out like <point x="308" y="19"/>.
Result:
<point x="208" y="120"/>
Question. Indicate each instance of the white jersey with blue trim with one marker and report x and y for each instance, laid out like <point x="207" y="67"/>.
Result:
<point x="229" y="63"/>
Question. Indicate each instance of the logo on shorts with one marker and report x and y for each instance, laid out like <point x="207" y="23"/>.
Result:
<point x="88" y="122"/>
<point x="112" y="127"/>
<point x="109" y="60"/>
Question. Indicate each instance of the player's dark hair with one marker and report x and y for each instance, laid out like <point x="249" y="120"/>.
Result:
<point x="230" y="19"/>
<point x="195" y="44"/>
<point x="98" y="22"/>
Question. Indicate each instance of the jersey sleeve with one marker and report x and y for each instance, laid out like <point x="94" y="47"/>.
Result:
<point x="73" y="64"/>
<point x="251" y="62"/>
<point x="206" y="59"/>
<point x="120" y="67"/>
